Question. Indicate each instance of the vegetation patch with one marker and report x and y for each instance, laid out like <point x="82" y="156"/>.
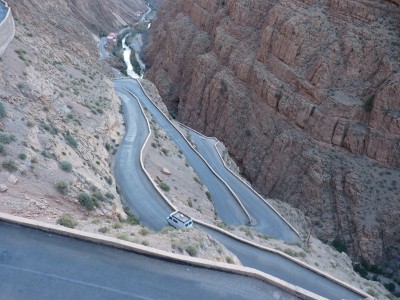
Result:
<point x="62" y="187"/>
<point x="339" y="245"/>
<point x="164" y="186"/>
<point x="66" y="166"/>
<point x="10" y="165"/>
<point x="3" y="112"/>
<point x="6" y="138"/>
<point x="71" y="141"/>
<point x="86" y="201"/>
<point x="192" y="250"/>
<point x="67" y="221"/>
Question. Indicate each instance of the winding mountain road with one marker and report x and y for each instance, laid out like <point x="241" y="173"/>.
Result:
<point x="250" y="256"/>
<point x="39" y="265"/>
<point x="226" y="206"/>
<point x="265" y="219"/>
<point x="134" y="185"/>
<point x="103" y="53"/>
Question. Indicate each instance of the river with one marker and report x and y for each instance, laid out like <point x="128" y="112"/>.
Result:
<point x="135" y="45"/>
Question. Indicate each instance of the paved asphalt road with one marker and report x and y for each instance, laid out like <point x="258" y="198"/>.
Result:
<point x="134" y="185"/>
<point x="249" y="256"/>
<point x="225" y="204"/>
<point x="39" y="265"/>
<point x="103" y="53"/>
<point x="265" y="220"/>
<point x="282" y="268"/>
<point x="3" y="11"/>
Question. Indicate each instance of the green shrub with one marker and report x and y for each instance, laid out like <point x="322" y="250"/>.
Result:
<point x="195" y="178"/>
<point x="2" y="149"/>
<point x="22" y="156"/>
<point x="30" y="123"/>
<point x="391" y="287"/>
<point x="164" y="186"/>
<point x="10" y="165"/>
<point x="62" y="187"/>
<point x="109" y="195"/>
<point x="229" y="260"/>
<point x="165" y="151"/>
<point x="192" y="250"/>
<point x="117" y="225"/>
<point x="109" y="180"/>
<point x="123" y="236"/>
<point x="132" y="219"/>
<point x="103" y="229"/>
<point x="278" y="95"/>
<point x="6" y="138"/>
<point x="50" y="128"/>
<point x="339" y="245"/>
<point x="190" y="203"/>
<point x="144" y="231"/>
<point x="3" y="112"/>
<point x="85" y="200"/>
<point x="66" y="166"/>
<point x="360" y="270"/>
<point x="67" y="221"/>
<point x="98" y="196"/>
<point x="71" y="141"/>
<point x="208" y="195"/>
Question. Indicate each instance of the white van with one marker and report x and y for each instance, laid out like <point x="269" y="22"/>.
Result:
<point x="179" y="220"/>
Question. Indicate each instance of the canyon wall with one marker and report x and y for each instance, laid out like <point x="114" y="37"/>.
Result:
<point x="306" y="97"/>
<point x="7" y="29"/>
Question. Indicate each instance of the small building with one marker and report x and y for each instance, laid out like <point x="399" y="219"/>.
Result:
<point x="112" y="37"/>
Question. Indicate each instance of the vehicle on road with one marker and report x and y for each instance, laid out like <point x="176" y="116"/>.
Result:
<point x="179" y="220"/>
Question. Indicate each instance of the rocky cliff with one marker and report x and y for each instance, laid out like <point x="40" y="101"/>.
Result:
<point x="306" y="96"/>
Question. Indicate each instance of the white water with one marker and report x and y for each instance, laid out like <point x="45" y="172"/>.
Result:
<point x="127" y="59"/>
<point x="136" y="44"/>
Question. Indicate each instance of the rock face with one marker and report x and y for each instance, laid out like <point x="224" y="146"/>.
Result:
<point x="305" y="95"/>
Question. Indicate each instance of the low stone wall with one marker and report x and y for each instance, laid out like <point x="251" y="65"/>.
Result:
<point x="7" y="30"/>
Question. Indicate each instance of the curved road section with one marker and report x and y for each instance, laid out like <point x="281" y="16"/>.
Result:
<point x="265" y="219"/>
<point x="226" y="205"/>
<point x="149" y="205"/>
<point x="39" y="265"/>
<point x="103" y="53"/>
<point x="3" y="11"/>
<point x="135" y="187"/>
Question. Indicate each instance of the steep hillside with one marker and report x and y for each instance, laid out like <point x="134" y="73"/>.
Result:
<point x="60" y="121"/>
<point x="306" y="97"/>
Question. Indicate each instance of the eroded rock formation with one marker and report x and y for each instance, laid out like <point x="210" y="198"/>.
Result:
<point x="306" y="96"/>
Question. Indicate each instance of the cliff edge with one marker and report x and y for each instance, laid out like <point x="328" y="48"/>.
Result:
<point x="305" y="95"/>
